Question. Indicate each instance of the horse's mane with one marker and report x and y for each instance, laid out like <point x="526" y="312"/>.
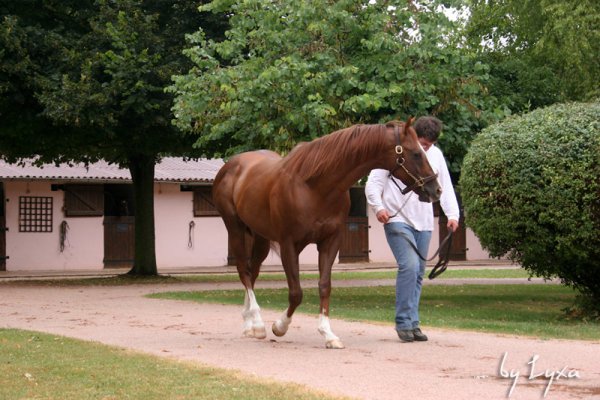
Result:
<point x="310" y="160"/>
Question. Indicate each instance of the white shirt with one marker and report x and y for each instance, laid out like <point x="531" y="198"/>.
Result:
<point x="383" y="194"/>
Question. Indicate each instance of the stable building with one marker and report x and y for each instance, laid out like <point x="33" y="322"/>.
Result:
<point x="78" y="217"/>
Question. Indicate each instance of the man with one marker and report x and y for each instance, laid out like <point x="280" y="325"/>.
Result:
<point x="406" y="218"/>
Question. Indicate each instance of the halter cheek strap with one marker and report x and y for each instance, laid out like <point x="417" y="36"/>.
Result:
<point x="417" y="181"/>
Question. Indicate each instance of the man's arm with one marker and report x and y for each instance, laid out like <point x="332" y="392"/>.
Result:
<point x="448" y="200"/>
<point x="374" y="192"/>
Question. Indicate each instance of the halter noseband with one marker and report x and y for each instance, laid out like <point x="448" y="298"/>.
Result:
<point x="417" y="181"/>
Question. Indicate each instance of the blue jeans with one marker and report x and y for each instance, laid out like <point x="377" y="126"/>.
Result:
<point x="410" y="270"/>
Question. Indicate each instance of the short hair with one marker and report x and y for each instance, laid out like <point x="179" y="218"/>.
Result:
<point x="429" y="128"/>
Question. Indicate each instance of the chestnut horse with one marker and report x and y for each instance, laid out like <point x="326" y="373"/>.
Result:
<point x="304" y="198"/>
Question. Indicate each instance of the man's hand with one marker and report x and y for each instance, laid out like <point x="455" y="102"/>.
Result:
<point x="452" y="225"/>
<point x="383" y="216"/>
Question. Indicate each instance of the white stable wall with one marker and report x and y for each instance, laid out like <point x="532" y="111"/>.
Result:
<point x="84" y="247"/>
<point x="173" y="214"/>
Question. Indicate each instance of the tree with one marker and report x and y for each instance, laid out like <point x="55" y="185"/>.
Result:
<point x="293" y="71"/>
<point x="541" y="51"/>
<point x="531" y="190"/>
<point x="25" y="48"/>
<point x="83" y="80"/>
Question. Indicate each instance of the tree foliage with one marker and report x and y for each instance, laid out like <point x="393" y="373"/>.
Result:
<point x="541" y="51"/>
<point x="82" y="80"/>
<point x="292" y="71"/>
<point x="531" y="190"/>
<point x="29" y="49"/>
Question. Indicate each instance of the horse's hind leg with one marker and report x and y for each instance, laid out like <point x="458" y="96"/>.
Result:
<point x="223" y="188"/>
<point x="260" y="251"/>
<point x="253" y="323"/>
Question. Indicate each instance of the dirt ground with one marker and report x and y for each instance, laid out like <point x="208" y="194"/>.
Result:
<point x="374" y="365"/>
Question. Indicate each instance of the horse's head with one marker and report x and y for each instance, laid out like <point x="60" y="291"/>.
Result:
<point x="410" y="163"/>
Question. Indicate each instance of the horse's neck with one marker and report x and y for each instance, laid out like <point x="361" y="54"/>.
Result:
<point x="344" y="177"/>
<point x="349" y="168"/>
<point x="340" y="159"/>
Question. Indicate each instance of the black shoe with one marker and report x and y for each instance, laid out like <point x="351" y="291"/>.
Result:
<point x="406" y="335"/>
<point x="419" y="336"/>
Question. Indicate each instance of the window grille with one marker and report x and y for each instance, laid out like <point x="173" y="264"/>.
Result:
<point x="35" y="214"/>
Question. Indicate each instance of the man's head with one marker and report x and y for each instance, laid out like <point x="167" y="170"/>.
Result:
<point x="428" y="131"/>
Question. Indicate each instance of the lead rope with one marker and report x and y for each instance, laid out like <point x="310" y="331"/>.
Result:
<point x="390" y="176"/>
<point x="442" y="263"/>
<point x="444" y="259"/>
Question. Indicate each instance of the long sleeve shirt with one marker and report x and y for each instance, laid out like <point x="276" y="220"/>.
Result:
<point x="382" y="194"/>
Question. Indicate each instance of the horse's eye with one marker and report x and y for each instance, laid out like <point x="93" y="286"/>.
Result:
<point x="417" y="156"/>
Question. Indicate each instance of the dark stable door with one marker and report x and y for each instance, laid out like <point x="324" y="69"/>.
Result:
<point x="355" y="235"/>
<point x="2" y="230"/>
<point x="119" y="241"/>
<point x="119" y="226"/>
<point x="355" y="241"/>
<point x="2" y="243"/>
<point x="458" y="250"/>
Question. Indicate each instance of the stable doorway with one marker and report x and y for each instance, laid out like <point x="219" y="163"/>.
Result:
<point x="3" y="228"/>
<point x="458" y="249"/>
<point x="119" y="226"/>
<point x="355" y="237"/>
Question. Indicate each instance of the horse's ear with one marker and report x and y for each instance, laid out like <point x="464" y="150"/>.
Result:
<point x="409" y="122"/>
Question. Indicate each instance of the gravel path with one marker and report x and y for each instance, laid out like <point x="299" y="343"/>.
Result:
<point x="375" y="365"/>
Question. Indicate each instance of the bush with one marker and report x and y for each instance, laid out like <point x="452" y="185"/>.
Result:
<point x="531" y="191"/>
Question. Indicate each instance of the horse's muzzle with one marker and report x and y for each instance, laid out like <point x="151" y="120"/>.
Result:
<point x="430" y="193"/>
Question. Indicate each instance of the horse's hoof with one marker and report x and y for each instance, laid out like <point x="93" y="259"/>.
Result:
<point x="260" y="332"/>
<point x="277" y="331"/>
<point x="334" y="344"/>
<point x="257" y="333"/>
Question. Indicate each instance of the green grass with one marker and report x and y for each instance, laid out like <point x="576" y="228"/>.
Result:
<point x="532" y="310"/>
<point x="233" y="277"/>
<point x="449" y="274"/>
<point x="41" y="366"/>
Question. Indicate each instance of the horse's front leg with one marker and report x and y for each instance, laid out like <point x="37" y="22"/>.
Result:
<point x="327" y="253"/>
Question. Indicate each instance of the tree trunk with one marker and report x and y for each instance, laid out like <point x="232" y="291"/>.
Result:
<point x="142" y="174"/>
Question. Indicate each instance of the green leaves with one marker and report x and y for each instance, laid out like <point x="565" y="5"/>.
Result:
<point x="531" y="190"/>
<point x="91" y="76"/>
<point x="541" y="51"/>
<point x="292" y="71"/>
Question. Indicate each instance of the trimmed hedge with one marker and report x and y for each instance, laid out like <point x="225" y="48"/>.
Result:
<point x="531" y="190"/>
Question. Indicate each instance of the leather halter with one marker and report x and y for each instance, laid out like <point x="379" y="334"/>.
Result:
<point x="417" y="181"/>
